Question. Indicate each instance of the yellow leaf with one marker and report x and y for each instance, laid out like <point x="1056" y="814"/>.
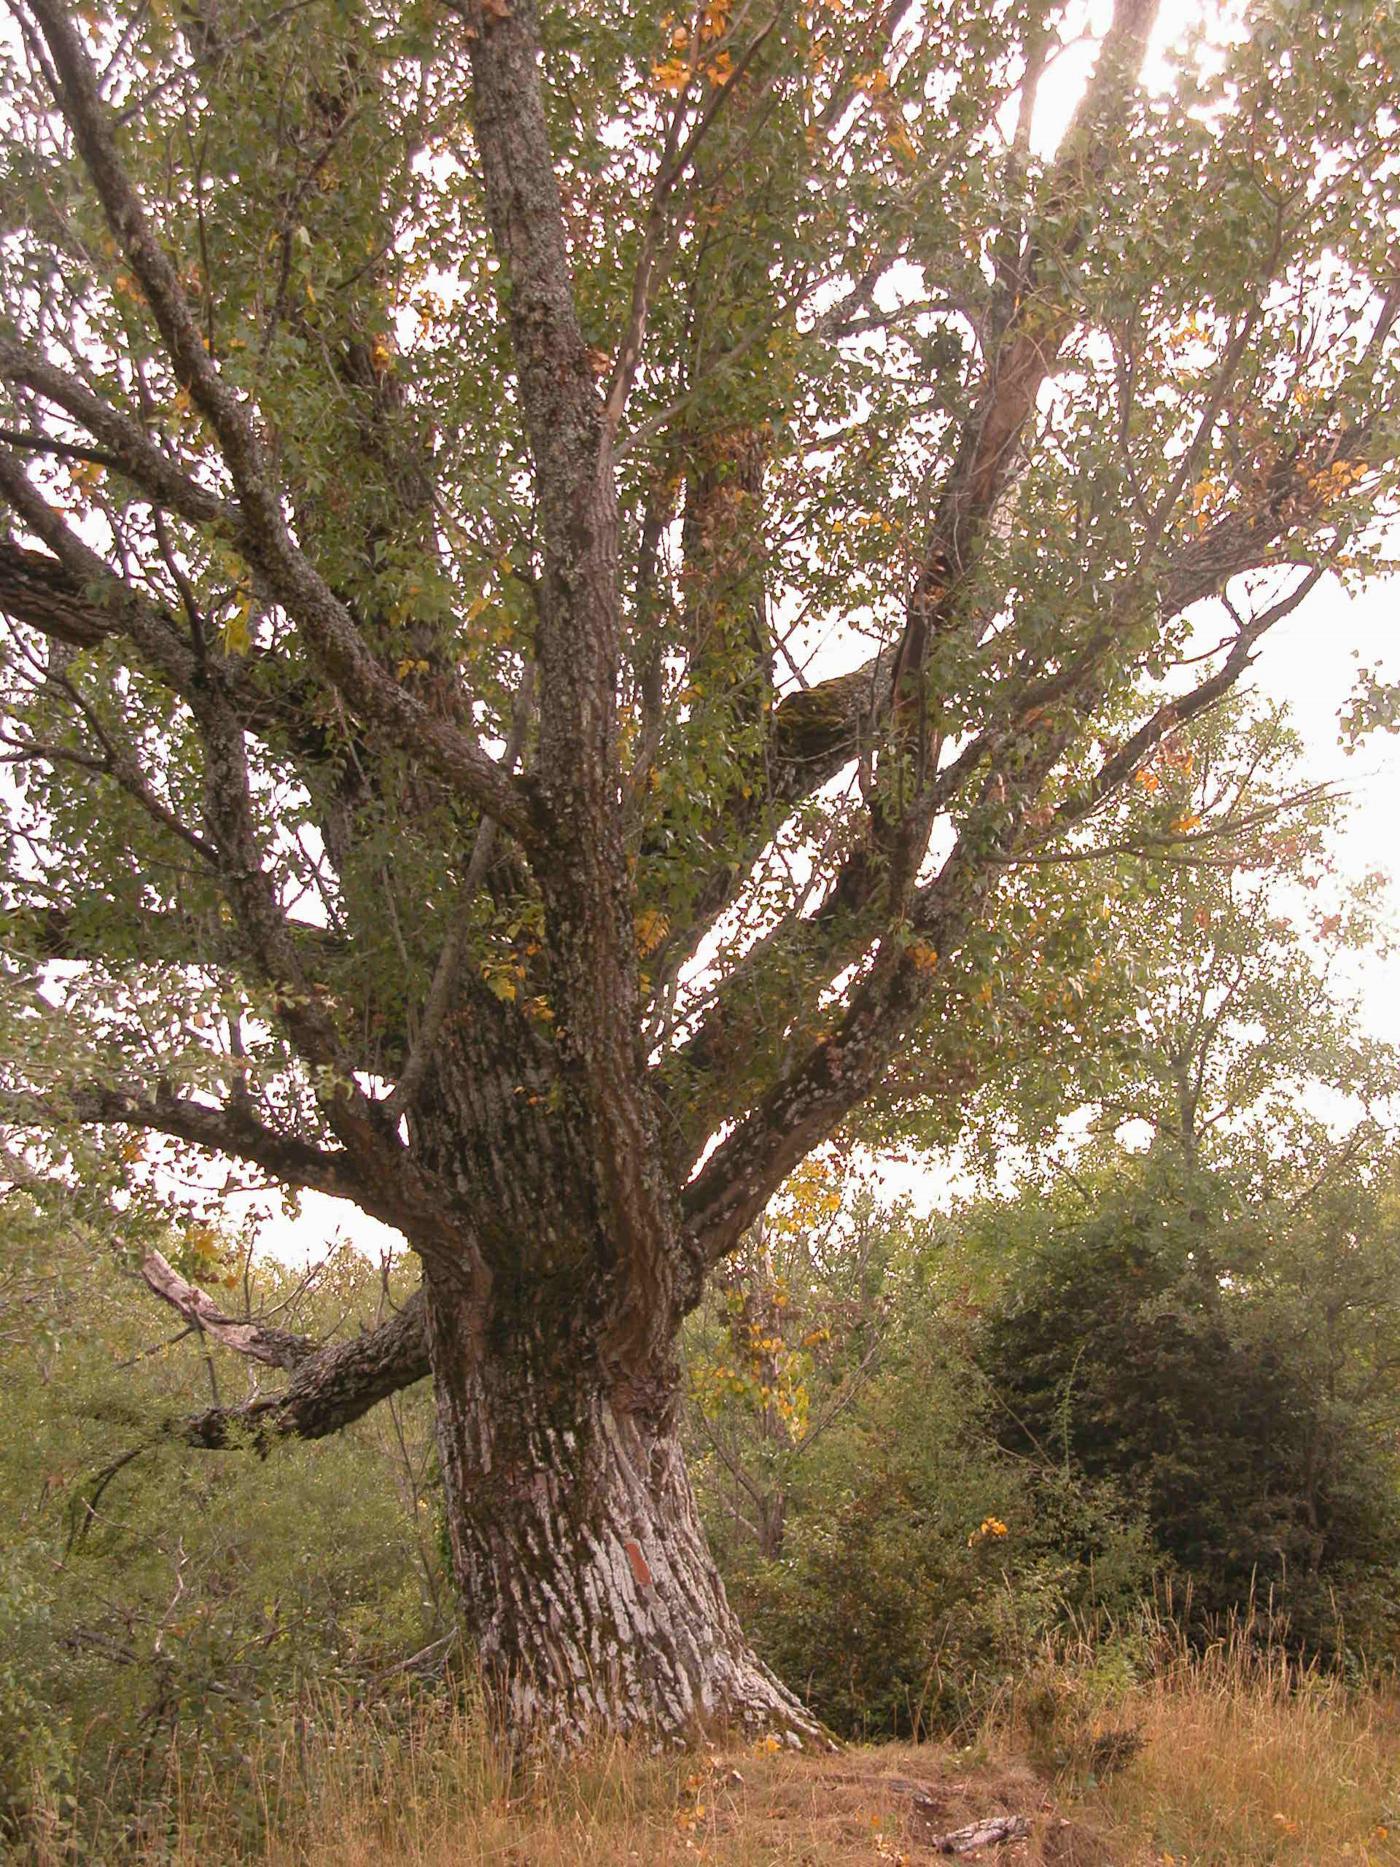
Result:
<point x="238" y="628"/>
<point x="898" y="141"/>
<point x="714" y="21"/>
<point x="651" y="927"/>
<point x="922" y="956"/>
<point x="670" y="75"/>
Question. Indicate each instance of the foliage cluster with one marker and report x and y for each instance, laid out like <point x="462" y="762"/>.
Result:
<point x="187" y="1606"/>
<point x="1230" y="1373"/>
<point x="1073" y="1427"/>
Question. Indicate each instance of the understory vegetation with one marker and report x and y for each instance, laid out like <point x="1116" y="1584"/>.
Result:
<point x="1008" y="1480"/>
<point x="1228" y="1755"/>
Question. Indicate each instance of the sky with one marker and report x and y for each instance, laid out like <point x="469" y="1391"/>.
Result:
<point x="1309" y="667"/>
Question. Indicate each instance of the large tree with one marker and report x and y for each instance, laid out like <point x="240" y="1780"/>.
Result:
<point x="559" y="564"/>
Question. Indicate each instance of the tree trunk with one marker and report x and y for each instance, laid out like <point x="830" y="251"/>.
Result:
<point x="578" y="1552"/>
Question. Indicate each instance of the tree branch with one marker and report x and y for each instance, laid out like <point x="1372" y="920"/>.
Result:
<point x="821" y="726"/>
<point x="331" y="1387"/>
<point x="581" y="859"/>
<point x="279" y="1348"/>
<point x="80" y="568"/>
<point x="447" y="973"/>
<point x="129" y="448"/>
<point x="814" y="948"/>
<point x="837" y="1073"/>
<point x="229" y="1131"/>
<point x="39" y="592"/>
<point x="1175" y="713"/>
<point x="261" y="533"/>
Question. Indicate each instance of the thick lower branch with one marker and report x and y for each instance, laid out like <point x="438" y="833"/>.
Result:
<point x="331" y="1385"/>
<point x="279" y="1348"/>
<point x="330" y="1388"/>
<point x="39" y="591"/>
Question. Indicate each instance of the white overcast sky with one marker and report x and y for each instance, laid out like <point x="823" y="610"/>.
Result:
<point x="1309" y="666"/>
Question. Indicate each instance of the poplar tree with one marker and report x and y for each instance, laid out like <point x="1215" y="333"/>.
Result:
<point x="558" y="564"/>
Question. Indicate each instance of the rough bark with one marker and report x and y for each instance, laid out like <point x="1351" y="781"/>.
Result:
<point x="576" y="1542"/>
<point x="259" y="1341"/>
<point x="577" y="1547"/>
<point x="331" y="1387"/>
<point x="586" y="1583"/>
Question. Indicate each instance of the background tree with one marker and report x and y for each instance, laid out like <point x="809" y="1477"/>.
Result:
<point x="1201" y="1284"/>
<point x="1248" y="1416"/>
<point x="1195" y="985"/>
<point x="889" y="1555"/>
<point x="557" y="565"/>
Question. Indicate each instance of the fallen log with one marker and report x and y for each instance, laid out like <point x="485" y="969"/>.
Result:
<point x="985" y="1834"/>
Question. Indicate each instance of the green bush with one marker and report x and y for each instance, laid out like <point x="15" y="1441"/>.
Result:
<point x="209" y="1593"/>
<point x="1161" y="1344"/>
<point x="922" y="1565"/>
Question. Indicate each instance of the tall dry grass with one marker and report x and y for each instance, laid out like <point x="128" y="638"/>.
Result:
<point x="1235" y="1757"/>
<point x="1248" y="1757"/>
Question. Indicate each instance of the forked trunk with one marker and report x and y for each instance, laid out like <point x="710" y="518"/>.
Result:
<point x="580" y="1560"/>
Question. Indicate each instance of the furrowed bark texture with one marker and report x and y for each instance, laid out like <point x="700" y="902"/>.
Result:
<point x="582" y="872"/>
<point x="331" y="1387"/>
<point x="576" y="1540"/>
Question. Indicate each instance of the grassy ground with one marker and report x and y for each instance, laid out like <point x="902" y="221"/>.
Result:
<point x="1270" y="1768"/>
<point x="1228" y="1761"/>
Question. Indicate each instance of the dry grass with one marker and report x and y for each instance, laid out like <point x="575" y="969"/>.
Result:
<point x="1246" y="1761"/>
<point x="429" y="1796"/>
<point x="1234" y="1760"/>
